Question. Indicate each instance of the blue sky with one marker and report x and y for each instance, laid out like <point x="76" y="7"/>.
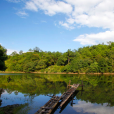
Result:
<point x="55" y="25"/>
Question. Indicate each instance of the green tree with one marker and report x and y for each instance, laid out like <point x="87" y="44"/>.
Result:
<point x="3" y="57"/>
<point x="30" y="50"/>
<point x="21" y="52"/>
<point x="69" y="55"/>
<point x="81" y="60"/>
<point x="55" y="56"/>
<point x="36" y="49"/>
<point x="41" y="64"/>
<point x="93" y="67"/>
<point x="62" y="60"/>
<point x="102" y="65"/>
<point x="29" y="67"/>
<point x="14" y="53"/>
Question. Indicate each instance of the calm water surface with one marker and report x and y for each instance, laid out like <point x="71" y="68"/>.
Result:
<point x="33" y="90"/>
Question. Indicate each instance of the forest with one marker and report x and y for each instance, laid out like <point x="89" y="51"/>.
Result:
<point x="90" y="59"/>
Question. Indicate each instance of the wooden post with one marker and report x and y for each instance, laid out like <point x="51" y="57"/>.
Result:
<point x="82" y="84"/>
<point x="69" y="82"/>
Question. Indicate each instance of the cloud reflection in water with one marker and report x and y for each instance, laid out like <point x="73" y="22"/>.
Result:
<point x="87" y="107"/>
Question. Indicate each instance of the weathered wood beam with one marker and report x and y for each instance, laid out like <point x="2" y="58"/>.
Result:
<point x="46" y="107"/>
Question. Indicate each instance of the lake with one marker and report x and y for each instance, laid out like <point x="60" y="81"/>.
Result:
<point x="34" y="90"/>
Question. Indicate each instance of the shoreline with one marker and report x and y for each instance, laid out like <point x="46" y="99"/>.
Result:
<point x="56" y="73"/>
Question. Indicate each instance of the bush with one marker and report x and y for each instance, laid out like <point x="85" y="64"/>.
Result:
<point x="29" y="67"/>
<point x="66" y="69"/>
<point x="93" y="67"/>
<point x="53" y="69"/>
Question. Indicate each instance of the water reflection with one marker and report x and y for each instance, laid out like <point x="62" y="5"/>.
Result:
<point x="88" y="107"/>
<point x="8" y="79"/>
<point x="1" y="91"/>
<point x="97" y="95"/>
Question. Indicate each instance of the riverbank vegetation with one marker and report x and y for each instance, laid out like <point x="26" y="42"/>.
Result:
<point x="90" y="59"/>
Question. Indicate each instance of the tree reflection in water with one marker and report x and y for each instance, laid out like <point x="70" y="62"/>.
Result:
<point x="1" y="91"/>
<point x="97" y="89"/>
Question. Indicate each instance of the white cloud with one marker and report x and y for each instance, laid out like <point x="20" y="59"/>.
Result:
<point x="90" y="13"/>
<point x="66" y="25"/>
<point x="50" y="7"/>
<point x="5" y="92"/>
<point x="31" y="6"/>
<point x="88" y="39"/>
<point x="97" y="13"/>
<point x="22" y="14"/>
<point x="9" y="51"/>
<point x="90" y="108"/>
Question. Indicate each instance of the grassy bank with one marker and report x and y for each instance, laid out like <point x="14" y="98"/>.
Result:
<point x="39" y="72"/>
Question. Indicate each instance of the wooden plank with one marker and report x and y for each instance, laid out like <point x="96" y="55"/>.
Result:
<point x="49" y="106"/>
<point x="46" y="107"/>
<point x="67" y="95"/>
<point x="53" y="102"/>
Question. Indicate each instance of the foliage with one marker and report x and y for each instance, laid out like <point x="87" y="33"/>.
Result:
<point x="29" y="67"/>
<point x="53" y="69"/>
<point x="62" y="60"/>
<point x="91" y="59"/>
<point x="3" y="57"/>
<point x="93" y="67"/>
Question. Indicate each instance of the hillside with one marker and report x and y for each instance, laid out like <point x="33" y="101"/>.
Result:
<point x="97" y="58"/>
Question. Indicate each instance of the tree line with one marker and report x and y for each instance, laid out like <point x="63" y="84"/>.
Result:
<point x="90" y="59"/>
<point x="3" y="57"/>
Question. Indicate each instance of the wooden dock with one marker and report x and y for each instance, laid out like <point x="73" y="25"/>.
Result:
<point x="49" y="106"/>
<point x="69" y="101"/>
<point x="54" y="101"/>
<point x="68" y="94"/>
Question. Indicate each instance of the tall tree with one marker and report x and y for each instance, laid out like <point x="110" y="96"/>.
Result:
<point x="21" y="52"/>
<point x="3" y="57"/>
<point x="36" y="49"/>
<point x="70" y="55"/>
<point x="14" y="53"/>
